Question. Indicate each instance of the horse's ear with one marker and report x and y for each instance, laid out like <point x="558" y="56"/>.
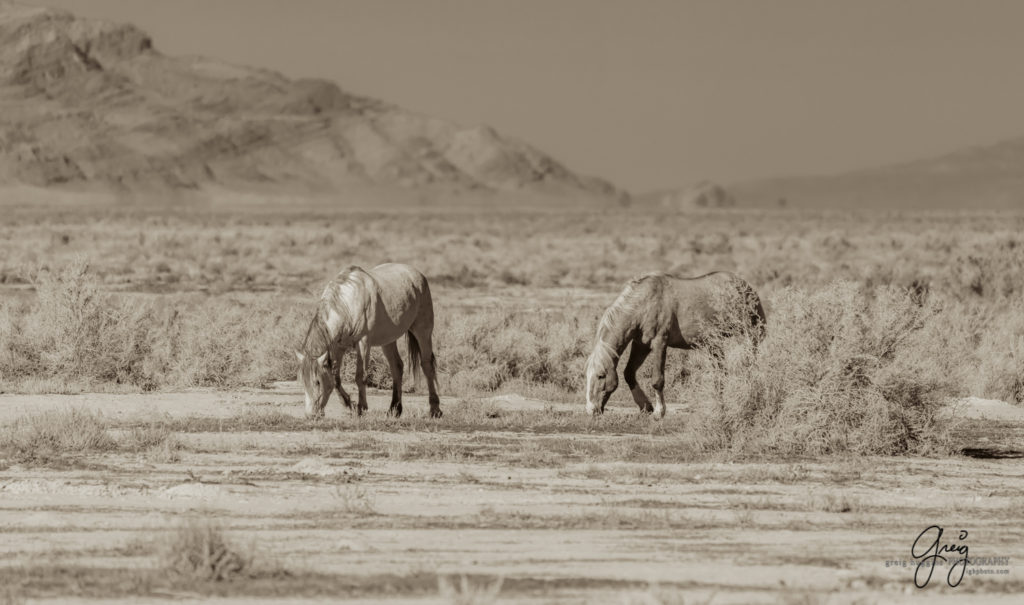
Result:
<point x="299" y="355"/>
<point x="322" y="360"/>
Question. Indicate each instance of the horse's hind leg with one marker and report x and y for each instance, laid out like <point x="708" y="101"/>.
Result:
<point x="395" y="361"/>
<point x="424" y="339"/>
<point x="362" y="359"/>
<point x="637" y="354"/>
<point x="659" y="348"/>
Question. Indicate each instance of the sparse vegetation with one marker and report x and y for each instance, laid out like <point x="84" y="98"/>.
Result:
<point x="354" y="500"/>
<point x="845" y="369"/>
<point x="9" y="595"/>
<point x="535" y="342"/>
<point x="832" y="502"/>
<point x="49" y="435"/>
<point x="61" y="436"/>
<point x="469" y="591"/>
<point x="200" y="550"/>
<point x="661" y="595"/>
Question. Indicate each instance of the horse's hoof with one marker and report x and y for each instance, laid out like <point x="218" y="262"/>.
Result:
<point x="436" y="413"/>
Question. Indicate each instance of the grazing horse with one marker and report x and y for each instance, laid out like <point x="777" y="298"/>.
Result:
<point x="361" y="309"/>
<point x="657" y="311"/>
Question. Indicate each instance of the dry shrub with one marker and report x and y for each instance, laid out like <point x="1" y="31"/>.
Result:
<point x="53" y="434"/>
<point x="999" y="356"/>
<point x="75" y="330"/>
<point x="482" y="351"/>
<point x="993" y="272"/>
<point x="843" y="369"/>
<point x="199" y="550"/>
<point x="200" y="346"/>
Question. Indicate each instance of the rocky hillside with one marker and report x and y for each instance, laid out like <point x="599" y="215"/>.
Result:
<point x="94" y="103"/>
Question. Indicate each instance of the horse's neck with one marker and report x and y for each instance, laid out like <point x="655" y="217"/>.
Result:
<point x="344" y="314"/>
<point x="615" y="339"/>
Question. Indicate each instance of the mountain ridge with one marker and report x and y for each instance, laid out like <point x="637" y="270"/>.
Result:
<point x="980" y="176"/>
<point x="89" y="102"/>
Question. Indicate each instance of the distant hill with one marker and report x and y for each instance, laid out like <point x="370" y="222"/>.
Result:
<point x="979" y="177"/>
<point x="85" y="102"/>
<point x="703" y="194"/>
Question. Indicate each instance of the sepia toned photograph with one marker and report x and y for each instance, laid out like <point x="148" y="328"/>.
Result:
<point x="532" y="302"/>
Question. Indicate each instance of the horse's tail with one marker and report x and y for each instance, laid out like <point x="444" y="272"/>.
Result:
<point x="414" y="356"/>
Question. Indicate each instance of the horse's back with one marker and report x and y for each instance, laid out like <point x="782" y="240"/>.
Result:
<point x="403" y="296"/>
<point x="696" y="303"/>
<point x="397" y="279"/>
<point x="393" y="277"/>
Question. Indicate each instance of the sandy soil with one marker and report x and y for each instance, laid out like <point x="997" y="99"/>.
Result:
<point x="357" y="509"/>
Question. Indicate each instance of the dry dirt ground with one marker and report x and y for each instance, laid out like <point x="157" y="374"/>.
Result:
<point x="382" y="512"/>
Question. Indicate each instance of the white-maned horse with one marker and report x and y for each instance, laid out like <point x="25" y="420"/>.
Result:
<point x="361" y="309"/>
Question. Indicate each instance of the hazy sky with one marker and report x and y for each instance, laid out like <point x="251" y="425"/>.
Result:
<point x="647" y="93"/>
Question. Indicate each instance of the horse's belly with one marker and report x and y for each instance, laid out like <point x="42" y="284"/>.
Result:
<point x="381" y="337"/>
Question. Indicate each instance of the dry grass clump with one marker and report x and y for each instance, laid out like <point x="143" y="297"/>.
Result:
<point x="354" y="500"/>
<point x="831" y="502"/>
<point x="56" y="435"/>
<point x="843" y="369"/>
<point x="469" y="591"/>
<point x="199" y="550"/>
<point x="10" y="595"/>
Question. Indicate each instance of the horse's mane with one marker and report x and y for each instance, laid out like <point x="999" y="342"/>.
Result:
<point x="623" y="309"/>
<point x="318" y="336"/>
<point x="617" y="319"/>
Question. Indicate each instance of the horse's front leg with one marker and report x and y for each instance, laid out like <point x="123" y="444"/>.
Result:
<point x="637" y="354"/>
<point x="659" y="348"/>
<point x="342" y="393"/>
<point x="362" y="359"/>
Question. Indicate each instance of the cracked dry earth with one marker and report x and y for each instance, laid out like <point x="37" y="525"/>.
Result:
<point x="384" y="512"/>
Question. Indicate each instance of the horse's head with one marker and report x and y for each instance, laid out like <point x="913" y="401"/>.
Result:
<point x="317" y="379"/>
<point x="602" y="379"/>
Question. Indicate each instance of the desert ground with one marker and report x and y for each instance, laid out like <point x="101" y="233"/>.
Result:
<point x="554" y="505"/>
<point x="149" y="412"/>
